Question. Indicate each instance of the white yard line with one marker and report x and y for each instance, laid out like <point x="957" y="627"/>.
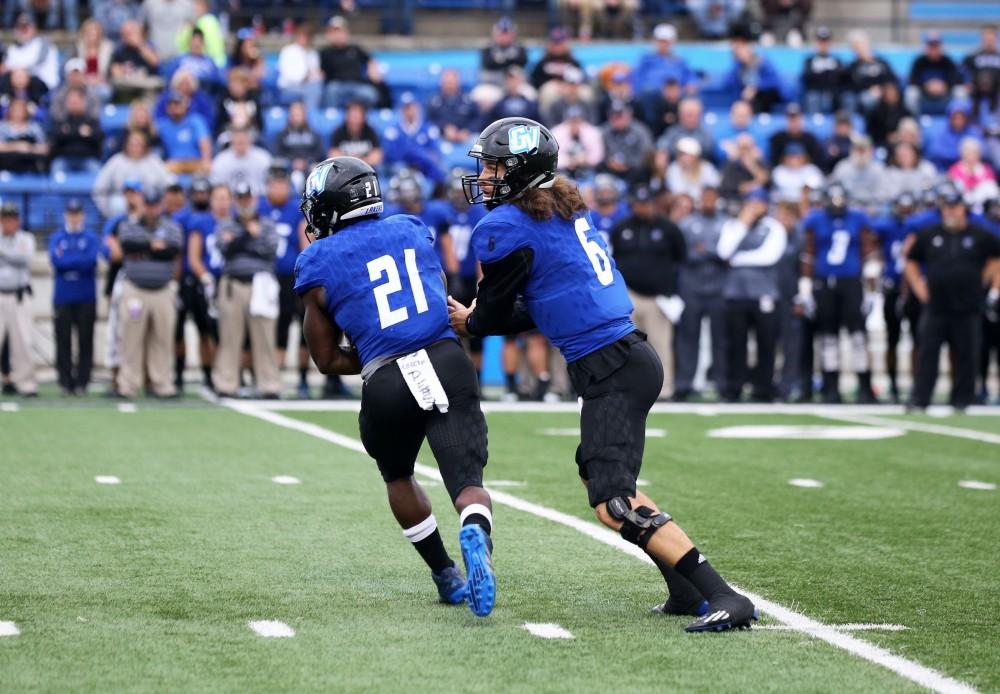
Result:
<point x="107" y="479"/>
<point x="908" y="669"/>
<point x="9" y="629"/>
<point x="839" y="627"/>
<point x="272" y="629"/>
<point x="285" y="479"/>
<point x="547" y="631"/>
<point x="909" y="425"/>
<point x="9" y="407"/>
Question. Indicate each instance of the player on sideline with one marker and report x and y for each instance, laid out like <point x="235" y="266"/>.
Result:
<point x="544" y="264"/>
<point x="379" y="282"/>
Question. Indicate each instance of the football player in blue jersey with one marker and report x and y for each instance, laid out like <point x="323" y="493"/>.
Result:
<point x="898" y="303"/>
<point x="378" y="282"/>
<point x="838" y="243"/>
<point x="278" y="205"/>
<point x="609" y="208"/>
<point x="544" y="264"/>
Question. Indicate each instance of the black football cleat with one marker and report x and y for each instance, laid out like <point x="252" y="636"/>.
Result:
<point x="725" y="613"/>
<point x="694" y="608"/>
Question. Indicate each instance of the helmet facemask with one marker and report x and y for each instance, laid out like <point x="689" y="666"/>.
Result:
<point x="502" y="188"/>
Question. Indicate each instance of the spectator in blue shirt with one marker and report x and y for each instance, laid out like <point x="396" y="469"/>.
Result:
<point x="752" y="78"/>
<point x="413" y="143"/>
<point x="943" y="142"/>
<point x="73" y="252"/>
<point x="199" y="103"/>
<point x="513" y="103"/>
<point x="187" y="143"/>
<point x="197" y="63"/>
<point x="451" y="109"/>
<point x="657" y="67"/>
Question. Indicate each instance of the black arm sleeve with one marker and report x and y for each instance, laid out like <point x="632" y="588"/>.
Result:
<point x="498" y="310"/>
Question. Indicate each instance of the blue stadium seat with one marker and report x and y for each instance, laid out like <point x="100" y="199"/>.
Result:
<point x="921" y="11"/>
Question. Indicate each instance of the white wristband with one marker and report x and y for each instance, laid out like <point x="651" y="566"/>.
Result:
<point x="805" y="286"/>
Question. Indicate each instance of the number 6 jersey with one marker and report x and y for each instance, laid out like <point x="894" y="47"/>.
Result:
<point x="573" y="291"/>
<point x="383" y="285"/>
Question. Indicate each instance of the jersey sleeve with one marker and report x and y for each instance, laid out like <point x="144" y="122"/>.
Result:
<point x="307" y="271"/>
<point x="495" y="240"/>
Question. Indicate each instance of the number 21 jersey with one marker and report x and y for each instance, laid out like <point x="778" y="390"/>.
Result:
<point x="574" y="292"/>
<point x="383" y="285"/>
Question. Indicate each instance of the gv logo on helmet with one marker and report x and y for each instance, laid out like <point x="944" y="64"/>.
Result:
<point x="317" y="180"/>
<point x="523" y="138"/>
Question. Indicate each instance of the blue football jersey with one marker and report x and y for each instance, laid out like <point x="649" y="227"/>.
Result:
<point x="286" y="220"/>
<point x="925" y="218"/>
<point x="211" y="256"/>
<point x="383" y="285"/>
<point x="837" y="242"/>
<point x="183" y="217"/>
<point x="892" y="232"/>
<point x="461" y="222"/>
<point x="574" y="293"/>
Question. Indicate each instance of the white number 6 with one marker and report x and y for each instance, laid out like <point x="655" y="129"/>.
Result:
<point x="598" y="258"/>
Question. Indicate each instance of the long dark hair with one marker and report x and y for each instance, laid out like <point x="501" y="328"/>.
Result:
<point x="562" y="198"/>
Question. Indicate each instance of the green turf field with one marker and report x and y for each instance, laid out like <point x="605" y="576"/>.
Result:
<point x="150" y="584"/>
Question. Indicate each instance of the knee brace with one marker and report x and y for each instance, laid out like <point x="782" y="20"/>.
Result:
<point x="638" y="525"/>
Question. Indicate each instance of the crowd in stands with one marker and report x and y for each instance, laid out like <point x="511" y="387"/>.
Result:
<point x="197" y="101"/>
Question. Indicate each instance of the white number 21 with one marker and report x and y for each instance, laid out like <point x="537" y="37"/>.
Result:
<point x="386" y="265"/>
<point x="598" y="258"/>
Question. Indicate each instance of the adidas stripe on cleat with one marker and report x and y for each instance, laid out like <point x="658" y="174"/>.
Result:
<point x="481" y="587"/>
<point x="729" y="612"/>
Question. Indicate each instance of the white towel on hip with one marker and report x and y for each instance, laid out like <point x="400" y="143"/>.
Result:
<point x="423" y="381"/>
<point x="264" y="295"/>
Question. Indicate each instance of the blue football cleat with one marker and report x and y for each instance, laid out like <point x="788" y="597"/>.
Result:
<point x="482" y="586"/>
<point x="451" y="585"/>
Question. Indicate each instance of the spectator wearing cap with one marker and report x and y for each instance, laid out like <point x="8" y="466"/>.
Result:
<point x="112" y="14"/>
<point x="906" y="172"/>
<point x="934" y="79"/>
<point x="23" y="148"/>
<point x="199" y="102"/>
<point x="76" y="139"/>
<point x="976" y="180"/>
<point x="134" y="162"/>
<point x="166" y="19"/>
<point x="32" y="52"/>
<point x="662" y="64"/>
<point x="752" y="77"/>
<point x="745" y="170"/>
<point x="570" y="92"/>
<point x="608" y="207"/>
<point x="211" y="31"/>
<point x="73" y="252"/>
<point x="356" y="138"/>
<point x="943" y="141"/>
<point x="628" y="146"/>
<point x="739" y="123"/>
<point x="864" y="77"/>
<point x="617" y="88"/>
<point x="17" y="248"/>
<point x="649" y="250"/>
<point x="752" y="244"/>
<point x="134" y="63"/>
<point x="837" y="147"/>
<point x="796" y="175"/>
<point x="451" y="110"/>
<point x="663" y="110"/>
<point x="75" y="78"/>
<point x="241" y="162"/>
<point x="95" y="50"/>
<point x="147" y="309"/>
<point x="187" y="142"/>
<point x="349" y="72"/>
<point x="247" y="298"/>
<point x="945" y="268"/>
<point x="715" y="18"/>
<point x="413" y="142"/>
<point x="517" y="100"/>
<point x="197" y="62"/>
<point x="700" y="283"/>
<point x="689" y="173"/>
<point x="822" y="76"/>
<point x="581" y="144"/>
<point x="794" y="133"/>
<point x="298" y="144"/>
<point x="503" y="52"/>
<point x="299" y="76"/>
<point x="861" y="174"/>
<point x="884" y="117"/>
<point x="555" y="61"/>
<point x="689" y="124"/>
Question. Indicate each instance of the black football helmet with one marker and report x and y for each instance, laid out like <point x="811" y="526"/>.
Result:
<point x="339" y="190"/>
<point x="528" y="152"/>
<point x="904" y="204"/>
